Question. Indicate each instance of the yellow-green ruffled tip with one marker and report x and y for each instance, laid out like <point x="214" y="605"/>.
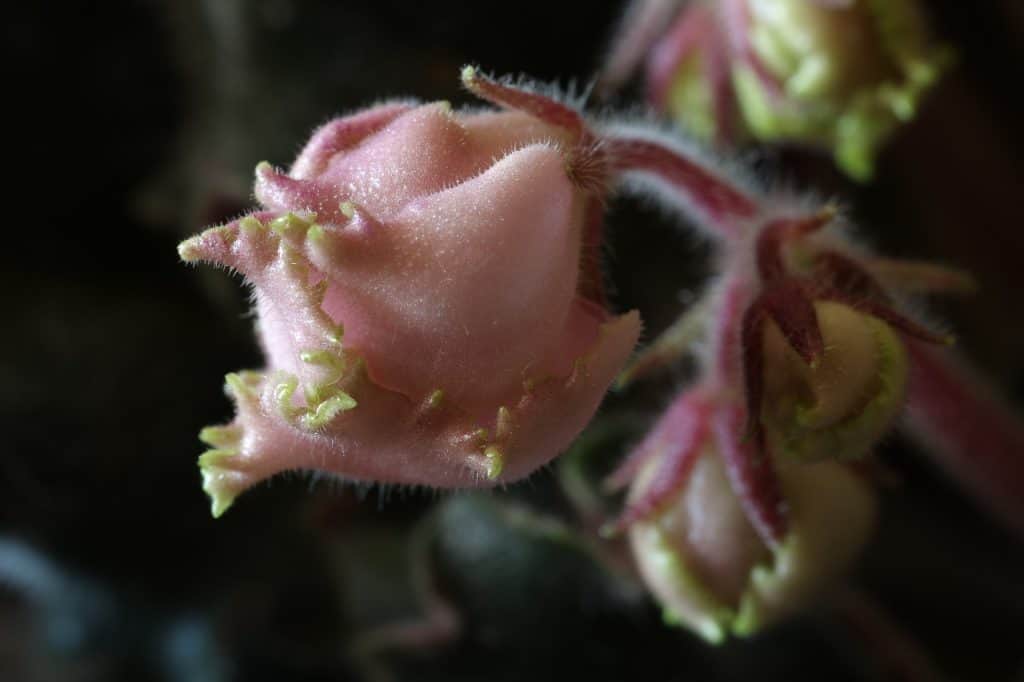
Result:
<point x="215" y="480"/>
<point x="189" y="251"/>
<point x="290" y="225"/>
<point x="495" y="462"/>
<point x="219" y="504"/>
<point x="325" y="412"/>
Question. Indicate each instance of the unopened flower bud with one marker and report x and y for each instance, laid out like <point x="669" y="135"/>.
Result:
<point x="840" y="74"/>
<point x="839" y="407"/>
<point x="711" y="571"/>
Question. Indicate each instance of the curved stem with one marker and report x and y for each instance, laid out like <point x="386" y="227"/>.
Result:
<point x="752" y="476"/>
<point x="969" y="430"/>
<point x="725" y="340"/>
<point x="893" y="648"/>
<point x="716" y="201"/>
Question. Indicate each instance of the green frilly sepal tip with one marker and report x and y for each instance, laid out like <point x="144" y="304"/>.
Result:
<point x="214" y="465"/>
<point x="854" y="129"/>
<point x="216" y="480"/>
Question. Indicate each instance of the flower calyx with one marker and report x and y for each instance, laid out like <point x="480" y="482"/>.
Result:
<point x="824" y="368"/>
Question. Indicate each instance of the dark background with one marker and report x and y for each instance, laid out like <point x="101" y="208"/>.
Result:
<point x="130" y="125"/>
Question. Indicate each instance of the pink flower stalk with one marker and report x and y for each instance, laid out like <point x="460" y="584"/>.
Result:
<point x="429" y="291"/>
<point x="970" y="431"/>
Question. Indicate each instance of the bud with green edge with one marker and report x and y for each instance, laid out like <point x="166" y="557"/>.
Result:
<point x="842" y="405"/>
<point x="840" y="75"/>
<point x="712" y="573"/>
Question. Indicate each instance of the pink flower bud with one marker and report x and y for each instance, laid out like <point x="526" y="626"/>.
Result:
<point x="698" y="549"/>
<point x="843" y="75"/>
<point x="426" y="304"/>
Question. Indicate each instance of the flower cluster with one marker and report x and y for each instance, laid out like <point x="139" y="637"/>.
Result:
<point x="737" y="493"/>
<point x="431" y="305"/>
<point x="746" y="499"/>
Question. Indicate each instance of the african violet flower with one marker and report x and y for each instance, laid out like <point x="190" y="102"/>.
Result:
<point x="429" y="294"/>
<point x="838" y="74"/>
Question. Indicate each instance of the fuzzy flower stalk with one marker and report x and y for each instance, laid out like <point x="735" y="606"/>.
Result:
<point x="746" y="502"/>
<point x="429" y="293"/>
<point x="841" y="75"/>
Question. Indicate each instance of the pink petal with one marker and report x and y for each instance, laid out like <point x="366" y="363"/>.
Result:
<point x="479" y="277"/>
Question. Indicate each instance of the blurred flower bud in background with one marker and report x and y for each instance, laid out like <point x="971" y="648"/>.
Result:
<point x="840" y="75"/>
